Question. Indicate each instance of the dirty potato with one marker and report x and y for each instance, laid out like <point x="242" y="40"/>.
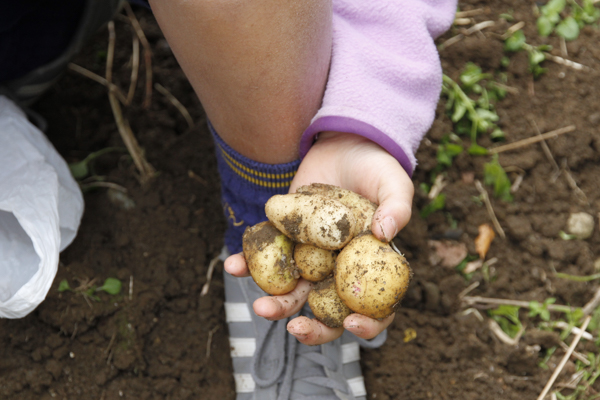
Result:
<point x="361" y="207"/>
<point x="269" y="257"/>
<point x="314" y="263"/>
<point x="327" y="305"/>
<point x="312" y="218"/>
<point x="371" y="278"/>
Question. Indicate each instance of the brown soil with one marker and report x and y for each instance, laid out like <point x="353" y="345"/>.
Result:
<point x="166" y="341"/>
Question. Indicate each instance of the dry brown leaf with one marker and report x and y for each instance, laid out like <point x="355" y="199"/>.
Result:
<point x="484" y="240"/>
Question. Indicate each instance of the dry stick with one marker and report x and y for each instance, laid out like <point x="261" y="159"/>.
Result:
<point x="547" y="151"/>
<point x="512" y="30"/>
<point x="209" y="273"/>
<point x="109" y="185"/>
<point x="567" y="63"/>
<point x="147" y="52"/>
<point x="564" y="359"/>
<point x="95" y="77"/>
<point x="490" y="209"/>
<point x="531" y="140"/>
<point x="592" y="304"/>
<point x="472" y="300"/>
<point x="580" y="193"/>
<point x="576" y="354"/>
<point x="146" y="170"/>
<point x="478" y="27"/>
<point x="451" y="41"/>
<point x="162" y="90"/>
<point x="209" y="341"/>
<point x="502" y="336"/>
<point x="135" y="67"/>
<point x="130" y="287"/>
<point x="471" y="13"/>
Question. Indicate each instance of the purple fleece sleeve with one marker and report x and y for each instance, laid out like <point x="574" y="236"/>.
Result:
<point x="385" y="75"/>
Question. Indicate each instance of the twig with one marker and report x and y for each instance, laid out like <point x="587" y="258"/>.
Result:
<point x="147" y="52"/>
<point x="566" y="63"/>
<point x="146" y="170"/>
<point x="576" y="354"/>
<point x="468" y="289"/>
<point x="451" y="41"/>
<point x="463" y="21"/>
<point x="112" y="341"/>
<point x="531" y="140"/>
<point x="135" y="67"/>
<point x="209" y="273"/>
<point x="95" y="77"/>
<point x="196" y="177"/>
<point x="473" y="311"/>
<point x="162" y="90"/>
<point x="130" y="287"/>
<point x="546" y="150"/>
<point x="478" y="27"/>
<point x="473" y="300"/>
<point x="490" y="209"/>
<point x="580" y="193"/>
<point x="512" y="30"/>
<point x="570" y="328"/>
<point x="209" y="341"/>
<point x="592" y="304"/>
<point x="500" y="334"/>
<point x="564" y="359"/>
<point x="563" y="47"/>
<point x="438" y="186"/>
<point x="471" y="13"/>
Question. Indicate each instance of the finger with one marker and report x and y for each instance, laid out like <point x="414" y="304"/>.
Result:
<point x="235" y="264"/>
<point x="365" y="327"/>
<point x="394" y="195"/>
<point x="278" y="307"/>
<point x="312" y="332"/>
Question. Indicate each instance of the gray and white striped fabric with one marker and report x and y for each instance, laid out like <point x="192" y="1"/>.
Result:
<point x="270" y="364"/>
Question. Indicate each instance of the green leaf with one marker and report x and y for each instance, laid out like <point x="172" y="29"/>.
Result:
<point x="565" y="236"/>
<point x="544" y="25"/>
<point x="435" y="205"/>
<point x="507" y="17"/>
<point x="553" y="8"/>
<point x="111" y="286"/>
<point x="497" y="134"/>
<point x="459" y="111"/>
<point x="515" y="42"/>
<point x="63" y="286"/>
<point x="477" y="150"/>
<point x="568" y="29"/>
<point x="494" y="175"/>
<point x="508" y="318"/>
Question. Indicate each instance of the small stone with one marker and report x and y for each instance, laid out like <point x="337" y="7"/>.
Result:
<point x="597" y="264"/>
<point x="581" y="225"/>
<point x="594" y="118"/>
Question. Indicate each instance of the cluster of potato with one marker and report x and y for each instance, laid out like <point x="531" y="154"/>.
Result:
<point x="322" y="234"/>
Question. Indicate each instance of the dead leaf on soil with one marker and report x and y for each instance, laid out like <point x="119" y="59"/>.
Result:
<point x="447" y="253"/>
<point x="484" y="240"/>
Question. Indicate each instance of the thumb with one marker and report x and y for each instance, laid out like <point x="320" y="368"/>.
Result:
<point x="394" y="195"/>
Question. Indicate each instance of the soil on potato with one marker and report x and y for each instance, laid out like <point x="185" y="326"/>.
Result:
<point x="160" y="339"/>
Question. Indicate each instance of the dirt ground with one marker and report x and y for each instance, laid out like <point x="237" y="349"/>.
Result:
<point x="163" y="340"/>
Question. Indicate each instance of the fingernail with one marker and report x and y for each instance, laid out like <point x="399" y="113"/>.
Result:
<point x="298" y="334"/>
<point x="356" y="329"/>
<point x="388" y="228"/>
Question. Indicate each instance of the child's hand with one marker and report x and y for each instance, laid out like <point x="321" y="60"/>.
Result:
<point x="355" y="163"/>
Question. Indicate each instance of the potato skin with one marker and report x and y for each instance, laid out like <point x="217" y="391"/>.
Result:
<point x="371" y="278"/>
<point x="314" y="263"/>
<point x="314" y="219"/>
<point x="327" y="305"/>
<point x="269" y="256"/>
<point x="362" y="208"/>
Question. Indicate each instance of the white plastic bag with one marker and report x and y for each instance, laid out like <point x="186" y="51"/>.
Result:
<point x="40" y="210"/>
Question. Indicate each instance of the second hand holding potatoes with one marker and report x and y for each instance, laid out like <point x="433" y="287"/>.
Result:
<point x="369" y="277"/>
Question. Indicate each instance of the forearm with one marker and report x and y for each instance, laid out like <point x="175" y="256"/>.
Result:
<point x="385" y="75"/>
